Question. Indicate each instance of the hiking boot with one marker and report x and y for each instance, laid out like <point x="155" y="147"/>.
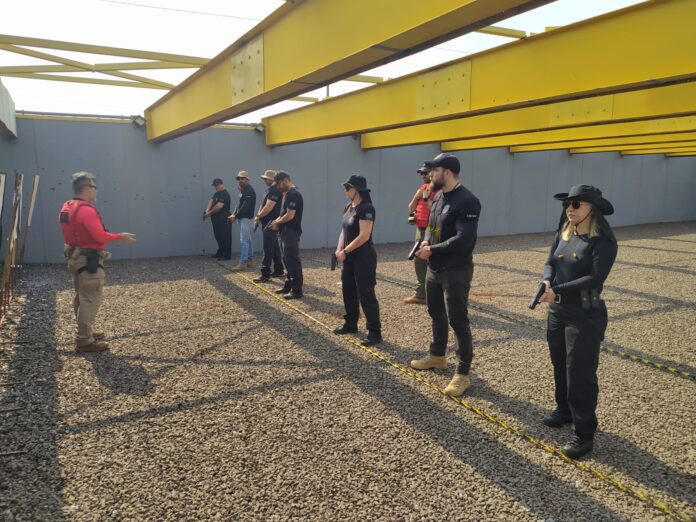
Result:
<point x="283" y="290"/>
<point x="578" y="446"/>
<point x="414" y="300"/>
<point x="346" y="329"/>
<point x="239" y="268"/>
<point x="98" y="336"/>
<point x="557" y="419"/>
<point x="457" y="385"/>
<point x="249" y="264"/>
<point x="278" y="274"/>
<point x="292" y="295"/>
<point x="96" y="346"/>
<point x="429" y="362"/>
<point x="261" y="279"/>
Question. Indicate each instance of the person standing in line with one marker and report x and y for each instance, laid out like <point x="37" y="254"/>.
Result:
<point x="85" y="248"/>
<point x="419" y="209"/>
<point x="218" y="209"/>
<point x="448" y="247"/>
<point x="244" y="214"/>
<point x="289" y="223"/>
<point x="581" y="257"/>
<point x="359" y="257"/>
<point x="270" y="210"/>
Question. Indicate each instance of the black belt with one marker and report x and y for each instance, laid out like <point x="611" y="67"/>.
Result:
<point x="568" y="299"/>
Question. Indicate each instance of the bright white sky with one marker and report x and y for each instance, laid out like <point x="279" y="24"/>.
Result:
<point x="202" y="28"/>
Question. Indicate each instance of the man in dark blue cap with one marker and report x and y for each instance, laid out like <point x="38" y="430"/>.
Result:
<point x="218" y="210"/>
<point x="448" y="247"/>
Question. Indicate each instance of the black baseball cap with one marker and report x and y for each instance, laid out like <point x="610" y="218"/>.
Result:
<point x="446" y="161"/>
<point x="217" y="181"/>
<point x="423" y="169"/>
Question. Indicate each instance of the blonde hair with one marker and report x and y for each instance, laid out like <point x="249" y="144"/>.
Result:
<point x="567" y="229"/>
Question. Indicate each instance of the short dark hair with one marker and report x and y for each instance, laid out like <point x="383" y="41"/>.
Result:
<point x="81" y="180"/>
<point x="281" y="176"/>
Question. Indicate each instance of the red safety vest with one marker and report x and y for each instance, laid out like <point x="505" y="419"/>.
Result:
<point x="74" y="233"/>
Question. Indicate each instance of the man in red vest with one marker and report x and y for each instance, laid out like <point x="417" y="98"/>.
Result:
<point x="419" y="208"/>
<point x="85" y="247"/>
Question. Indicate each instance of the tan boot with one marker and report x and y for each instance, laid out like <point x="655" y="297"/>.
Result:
<point x="239" y="268"/>
<point x="98" y="336"/>
<point x="250" y="263"/>
<point x="429" y="362"/>
<point x="458" y="385"/>
<point x="414" y="300"/>
<point x="96" y="346"/>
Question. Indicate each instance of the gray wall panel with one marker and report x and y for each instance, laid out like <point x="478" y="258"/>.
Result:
<point x="159" y="191"/>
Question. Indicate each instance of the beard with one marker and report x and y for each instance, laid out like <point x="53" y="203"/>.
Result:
<point x="437" y="184"/>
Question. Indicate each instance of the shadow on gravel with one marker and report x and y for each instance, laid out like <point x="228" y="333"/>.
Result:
<point x="31" y="484"/>
<point x="610" y="449"/>
<point x="539" y="491"/>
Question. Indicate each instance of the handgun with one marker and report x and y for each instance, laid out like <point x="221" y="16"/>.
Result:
<point x="415" y="249"/>
<point x="334" y="261"/>
<point x="541" y="290"/>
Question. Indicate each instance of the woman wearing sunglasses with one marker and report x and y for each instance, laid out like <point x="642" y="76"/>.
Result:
<point x="359" y="257"/>
<point x="579" y="262"/>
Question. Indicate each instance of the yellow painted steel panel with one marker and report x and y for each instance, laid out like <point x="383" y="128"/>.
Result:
<point x="622" y="141"/>
<point x="550" y="138"/>
<point x="622" y="148"/>
<point x="683" y="150"/>
<point x="247" y="78"/>
<point x="658" y="102"/>
<point x="643" y="45"/>
<point x="311" y="43"/>
<point x="681" y="154"/>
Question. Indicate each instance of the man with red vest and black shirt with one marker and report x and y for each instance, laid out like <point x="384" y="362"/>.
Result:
<point x="419" y="208"/>
<point x="85" y="247"/>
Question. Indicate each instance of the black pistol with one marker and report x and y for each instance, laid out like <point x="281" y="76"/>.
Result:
<point x="334" y="261"/>
<point x="541" y="289"/>
<point x="415" y="249"/>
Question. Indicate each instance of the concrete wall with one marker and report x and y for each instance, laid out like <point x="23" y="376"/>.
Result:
<point x="8" y="122"/>
<point x="159" y="191"/>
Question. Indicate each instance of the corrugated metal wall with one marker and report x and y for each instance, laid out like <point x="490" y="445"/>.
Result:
<point x="159" y="191"/>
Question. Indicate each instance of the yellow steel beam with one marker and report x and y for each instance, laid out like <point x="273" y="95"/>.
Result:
<point x="630" y="148"/>
<point x="101" y="49"/>
<point x="99" y="67"/>
<point x="82" y="65"/>
<point x="659" y="102"/>
<point x="78" y="79"/>
<point x="602" y="55"/>
<point x="623" y="141"/>
<point x="681" y="150"/>
<point x="681" y="154"/>
<point x="364" y="78"/>
<point x="502" y="31"/>
<point x="304" y="45"/>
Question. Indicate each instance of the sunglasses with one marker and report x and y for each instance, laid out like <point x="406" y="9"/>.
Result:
<point x="572" y="203"/>
<point x="240" y="179"/>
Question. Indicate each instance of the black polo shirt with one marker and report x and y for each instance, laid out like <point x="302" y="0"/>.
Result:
<point x="452" y="230"/>
<point x="351" y="223"/>
<point x="292" y="201"/>
<point x="223" y="197"/>
<point x="271" y="194"/>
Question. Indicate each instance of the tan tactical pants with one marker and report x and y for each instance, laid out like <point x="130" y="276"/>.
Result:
<point x="88" y="294"/>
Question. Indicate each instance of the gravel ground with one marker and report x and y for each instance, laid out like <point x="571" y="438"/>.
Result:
<point x="218" y="402"/>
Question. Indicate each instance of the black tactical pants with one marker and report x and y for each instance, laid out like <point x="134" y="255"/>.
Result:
<point x="447" y="295"/>
<point x="290" y="244"/>
<point x="222" y="230"/>
<point x="358" y="280"/>
<point x="574" y="336"/>
<point x="271" y="254"/>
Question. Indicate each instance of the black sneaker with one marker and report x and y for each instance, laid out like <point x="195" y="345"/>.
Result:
<point x="293" y="295"/>
<point x="345" y="329"/>
<point x="557" y="419"/>
<point x="261" y="279"/>
<point x="371" y="340"/>
<point x="282" y="290"/>
<point x="278" y="274"/>
<point x="578" y="447"/>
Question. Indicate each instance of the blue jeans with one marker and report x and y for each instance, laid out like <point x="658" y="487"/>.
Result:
<point x="245" y="241"/>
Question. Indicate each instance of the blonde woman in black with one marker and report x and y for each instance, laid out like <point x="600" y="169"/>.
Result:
<point x="359" y="257"/>
<point x="581" y="257"/>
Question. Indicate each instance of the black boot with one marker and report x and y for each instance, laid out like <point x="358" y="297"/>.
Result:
<point x="557" y="419"/>
<point x="578" y="446"/>
<point x="372" y="339"/>
<point x="345" y="329"/>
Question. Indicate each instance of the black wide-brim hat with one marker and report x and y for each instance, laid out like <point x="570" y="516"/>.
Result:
<point x="591" y="195"/>
<point x="359" y="183"/>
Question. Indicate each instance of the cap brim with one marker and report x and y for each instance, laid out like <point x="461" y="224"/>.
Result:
<point x="430" y="164"/>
